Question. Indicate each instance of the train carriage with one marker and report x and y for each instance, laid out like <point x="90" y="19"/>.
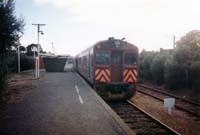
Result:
<point x="111" y="67"/>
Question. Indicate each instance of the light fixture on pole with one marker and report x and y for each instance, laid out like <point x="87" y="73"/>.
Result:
<point x="37" y="60"/>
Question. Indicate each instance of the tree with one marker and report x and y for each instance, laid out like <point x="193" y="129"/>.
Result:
<point x="187" y="52"/>
<point x="31" y="48"/>
<point x="157" y="67"/>
<point x="174" y="74"/>
<point x="178" y="68"/>
<point x="11" y="29"/>
<point x="195" y="75"/>
<point x="145" y="59"/>
<point x="22" y="49"/>
<point x="188" y="48"/>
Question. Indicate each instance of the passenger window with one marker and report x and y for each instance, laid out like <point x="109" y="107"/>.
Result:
<point x="130" y="59"/>
<point x="102" y="58"/>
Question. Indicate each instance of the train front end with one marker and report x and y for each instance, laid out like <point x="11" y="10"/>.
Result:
<point x="115" y="69"/>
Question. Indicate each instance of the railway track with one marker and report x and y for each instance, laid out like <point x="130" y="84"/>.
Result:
<point x="140" y="121"/>
<point x="182" y="104"/>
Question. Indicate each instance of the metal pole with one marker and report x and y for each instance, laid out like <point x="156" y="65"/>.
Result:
<point x="174" y="41"/>
<point x="53" y="48"/>
<point x="18" y="52"/>
<point x="37" y="65"/>
<point x="34" y="52"/>
<point x="38" y="51"/>
<point x="36" y="76"/>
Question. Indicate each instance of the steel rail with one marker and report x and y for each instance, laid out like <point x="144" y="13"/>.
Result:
<point x="152" y="117"/>
<point x="161" y="99"/>
<point x="169" y="94"/>
<point x="132" y="114"/>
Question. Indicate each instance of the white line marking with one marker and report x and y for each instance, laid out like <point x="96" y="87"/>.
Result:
<point x="79" y="96"/>
<point x="77" y="90"/>
<point x="81" y="100"/>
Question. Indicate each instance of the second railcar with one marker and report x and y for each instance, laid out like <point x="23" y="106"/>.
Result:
<point x="111" y="66"/>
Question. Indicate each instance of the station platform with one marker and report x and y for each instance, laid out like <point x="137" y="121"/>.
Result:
<point x="61" y="104"/>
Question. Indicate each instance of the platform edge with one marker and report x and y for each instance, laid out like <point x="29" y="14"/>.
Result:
<point x="122" y="124"/>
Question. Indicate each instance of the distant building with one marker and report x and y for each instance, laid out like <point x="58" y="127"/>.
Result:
<point x="166" y="50"/>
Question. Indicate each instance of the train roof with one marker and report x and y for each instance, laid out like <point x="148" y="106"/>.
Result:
<point x="114" y="41"/>
<point x="110" y="41"/>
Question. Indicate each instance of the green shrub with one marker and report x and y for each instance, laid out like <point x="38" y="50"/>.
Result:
<point x="2" y="78"/>
<point x="174" y="75"/>
<point x="12" y="62"/>
<point x="26" y="62"/>
<point x="157" y="68"/>
<point x="195" y="75"/>
<point x="145" y="60"/>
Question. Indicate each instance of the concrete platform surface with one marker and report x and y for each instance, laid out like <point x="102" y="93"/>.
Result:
<point x="62" y="104"/>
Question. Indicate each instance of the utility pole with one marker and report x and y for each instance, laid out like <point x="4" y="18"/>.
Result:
<point x="37" y="60"/>
<point x="18" y="56"/>
<point x="53" y="48"/>
<point x="174" y="41"/>
<point x="34" y="52"/>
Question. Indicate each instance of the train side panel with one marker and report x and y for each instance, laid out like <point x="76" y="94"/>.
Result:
<point x="84" y="62"/>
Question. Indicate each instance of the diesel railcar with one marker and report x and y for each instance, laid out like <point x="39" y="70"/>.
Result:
<point x="111" y="66"/>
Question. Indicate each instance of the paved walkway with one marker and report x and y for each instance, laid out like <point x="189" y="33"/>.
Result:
<point x="60" y="105"/>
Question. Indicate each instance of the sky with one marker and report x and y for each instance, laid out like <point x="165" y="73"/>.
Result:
<point x="74" y="25"/>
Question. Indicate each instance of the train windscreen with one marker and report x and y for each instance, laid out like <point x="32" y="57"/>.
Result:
<point x="116" y="58"/>
<point x="130" y="59"/>
<point x="102" y="58"/>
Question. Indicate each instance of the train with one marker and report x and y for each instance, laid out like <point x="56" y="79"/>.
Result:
<point x="69" y="65"/>
<point x="111" y="67"/>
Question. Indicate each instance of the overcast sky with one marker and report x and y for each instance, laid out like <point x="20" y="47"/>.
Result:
<point x="73" y="25"/>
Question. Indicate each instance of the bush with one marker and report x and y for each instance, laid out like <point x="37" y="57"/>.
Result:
<point x="3" y="70"/>
<point x="12" y="62"/>
<point x="10" y="65"/>
<point x="176" y="68"/>
<point x="145" y="60"/>
<point x="195" y="75"/>
<point x="26" y="62"/>
<point x="174" y="75"/>
<point x="157" y="68"/>
<point x="2" y="80"/>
